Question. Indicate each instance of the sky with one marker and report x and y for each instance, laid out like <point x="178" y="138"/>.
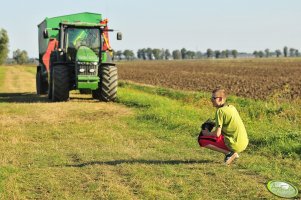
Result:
<point x="244" y="25"/>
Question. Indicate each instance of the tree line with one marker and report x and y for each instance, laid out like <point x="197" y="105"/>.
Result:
<point x="165" y="54"/>
<point x="287" y="52"/>
<point x="21" y="56"/>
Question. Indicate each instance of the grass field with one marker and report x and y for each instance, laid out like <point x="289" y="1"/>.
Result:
<point x="141" y="147"/>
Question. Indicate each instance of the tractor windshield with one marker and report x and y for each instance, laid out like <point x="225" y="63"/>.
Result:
<point x="77" y="37"/>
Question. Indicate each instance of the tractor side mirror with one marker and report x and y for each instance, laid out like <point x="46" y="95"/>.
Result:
<point x="45" y="34"/>
<point x="119" y="36"/>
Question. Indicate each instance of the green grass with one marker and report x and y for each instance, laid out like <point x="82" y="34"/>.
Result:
<point x="272" y="134"/>
<point x="2" y="74"/>
<point x="141" y="147"/>
<point x="30" y="69"/>
<point x="273" y="127"/>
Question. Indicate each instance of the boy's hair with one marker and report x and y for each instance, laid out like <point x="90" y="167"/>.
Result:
<point x="220" y="92"/>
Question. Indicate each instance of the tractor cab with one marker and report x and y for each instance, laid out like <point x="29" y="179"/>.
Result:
<point x="82" y="44"/>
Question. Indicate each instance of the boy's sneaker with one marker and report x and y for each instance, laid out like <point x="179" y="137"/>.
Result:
<point x="230" y="157"/>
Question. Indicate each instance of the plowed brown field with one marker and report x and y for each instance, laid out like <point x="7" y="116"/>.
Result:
<point x="253" y="78"/>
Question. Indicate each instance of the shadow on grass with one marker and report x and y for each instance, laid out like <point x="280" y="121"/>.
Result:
<point x="148" y="162"/>
<point x="25" y="97"/>
<point x="89" y="99"/>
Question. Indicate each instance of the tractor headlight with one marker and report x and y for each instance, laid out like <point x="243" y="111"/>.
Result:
<point x="91" y="70"/>
<point x="81" y="70"/>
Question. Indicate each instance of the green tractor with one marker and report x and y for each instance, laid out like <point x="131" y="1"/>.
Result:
<point x="75" y="54"/>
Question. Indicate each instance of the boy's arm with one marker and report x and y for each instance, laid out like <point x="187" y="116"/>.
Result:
<point x="217" y="132"/>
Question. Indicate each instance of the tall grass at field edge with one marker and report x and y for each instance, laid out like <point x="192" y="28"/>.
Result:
<point x="273" y="128"/>
<point x="2" y="75"/>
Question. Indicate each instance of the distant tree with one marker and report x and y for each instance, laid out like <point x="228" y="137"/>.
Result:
<point x="227" y="53"/>
<point x="144" y="54"/>
<point x="128" y="54"/>
<point x="209" y="53"/>
<point x="140" y="54"/>
<point x="292" y="52"/>
<point x="285" y="51"/>
<point x="176" y="54"/>
<point x="234" y="53"/>
<point x="119" y="54"/>
<point x="156" y="53"/>
<point x="223" y="53"/>
<point x="267" y="52"/>
<point x="217" y="53"/>
<point x="20" y="57"/>
<point x="255" y="53"/>
<point x="278" y="53"/>
<point x="183" y="53"/>
<point x="4" y="40"/>
<point x="260" y="54"/>
<point x="149" y="53"/>
<point x="167" y="54"/>
<point x="297" y="54"/>
<point x="162" y="54"/>
<point x="198" y="54"/>
<point x="190" y="54"/>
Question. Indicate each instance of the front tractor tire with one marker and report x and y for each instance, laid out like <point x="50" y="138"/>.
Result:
<point x="60" y="83"/>
<point x="107" y="86"/>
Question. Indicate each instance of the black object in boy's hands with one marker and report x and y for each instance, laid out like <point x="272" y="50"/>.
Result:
<point x="209" y="124"/>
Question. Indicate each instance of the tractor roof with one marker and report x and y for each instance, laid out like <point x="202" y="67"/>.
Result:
<point x="84" y="17"/>
<point x="83" y="24"/>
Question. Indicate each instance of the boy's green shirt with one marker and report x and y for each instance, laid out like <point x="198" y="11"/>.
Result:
<point x="233" y="129"/>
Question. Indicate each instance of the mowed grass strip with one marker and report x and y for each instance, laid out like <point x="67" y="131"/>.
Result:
<point x="143" y="147"/>
<point x="17" y="79"/>
<point x="2" y="74"/>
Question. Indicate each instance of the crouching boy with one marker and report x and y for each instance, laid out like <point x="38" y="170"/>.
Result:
<point x="229" y="136"/>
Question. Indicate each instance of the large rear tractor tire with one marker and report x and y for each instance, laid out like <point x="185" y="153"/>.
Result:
<point x="60" y="83"/>
<point x="41" y="83"/>
<point x="107" y="87"/>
